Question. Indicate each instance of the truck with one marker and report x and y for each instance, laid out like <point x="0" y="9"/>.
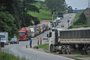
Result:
<point x="3" y="38"/>
<point x="67" y="40"/>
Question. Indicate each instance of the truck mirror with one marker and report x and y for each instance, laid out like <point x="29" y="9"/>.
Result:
<point x="47" y="35"/>
<point x="50" y="34"/>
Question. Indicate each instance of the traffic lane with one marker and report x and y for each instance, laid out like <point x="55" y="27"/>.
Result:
<point x="38" y="55"/>
<point x="32" y="54"/>
<point x="64" y="21"/>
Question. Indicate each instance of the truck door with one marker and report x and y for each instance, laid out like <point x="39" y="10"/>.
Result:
<point x="56" y="37"/>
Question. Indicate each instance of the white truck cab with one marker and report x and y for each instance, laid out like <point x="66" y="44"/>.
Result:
<point x="53" y="39"/>
<point x="3" y="38"/>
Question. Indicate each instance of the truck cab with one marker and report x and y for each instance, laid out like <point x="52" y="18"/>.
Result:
<point x="53" y="39"/>
<point x="3" y="38"/>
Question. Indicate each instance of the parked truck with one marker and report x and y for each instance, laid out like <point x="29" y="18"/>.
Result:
<point x="67" y="40"/>
<point x="3" y="38"/>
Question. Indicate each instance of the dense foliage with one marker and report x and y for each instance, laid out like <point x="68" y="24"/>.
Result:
<point x="82" y="20"/>
<point x="56" y="5"/>
<point x="13" y="15"/>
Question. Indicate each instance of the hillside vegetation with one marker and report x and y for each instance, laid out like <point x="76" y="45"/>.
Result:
<point x="79" y="21"/>
<point x="43" y="14"/>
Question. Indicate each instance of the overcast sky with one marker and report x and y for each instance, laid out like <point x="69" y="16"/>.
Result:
<point x="79" y="4"/>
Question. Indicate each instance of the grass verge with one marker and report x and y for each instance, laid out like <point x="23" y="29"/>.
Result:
<point x="43" y="46"/>
<point x="6" y="56"/>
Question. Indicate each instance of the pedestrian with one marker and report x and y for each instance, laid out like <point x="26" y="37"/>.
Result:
<point x="37" y="40"/>
<point x="30" y="42"/>
<point x="40" y="41"/>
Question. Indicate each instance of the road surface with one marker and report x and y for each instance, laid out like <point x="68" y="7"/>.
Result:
<point x="67" y="21"/>
<point x="32" y="54"/>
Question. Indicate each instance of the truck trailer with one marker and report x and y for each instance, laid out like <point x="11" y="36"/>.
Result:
<point x="66" y="40"/>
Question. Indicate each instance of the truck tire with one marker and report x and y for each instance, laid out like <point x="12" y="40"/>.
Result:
<point x="87" y="50"/>
<point x="63" y="50"/>
<point x="68" y="50"/>
<point x="52" y="48"/>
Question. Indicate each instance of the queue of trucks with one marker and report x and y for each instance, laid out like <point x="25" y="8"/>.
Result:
<point x="32" y="31"/>
<point x="24" y="33"/>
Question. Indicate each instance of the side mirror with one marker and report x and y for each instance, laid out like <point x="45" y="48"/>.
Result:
<point x="47" y="35"/>
<point x="50" y="34"/>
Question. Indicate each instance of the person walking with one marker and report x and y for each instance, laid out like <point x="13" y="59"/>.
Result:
<point x="30" y="42"/>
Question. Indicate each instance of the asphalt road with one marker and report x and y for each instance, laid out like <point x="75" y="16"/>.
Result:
<point x="64" y="22"/>
<point x="32" y="54"/>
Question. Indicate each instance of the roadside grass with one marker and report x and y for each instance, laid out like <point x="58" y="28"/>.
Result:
<point x="75" y="19"/>
<point x="78" y="26"/>
<point x="43" y="46"/>
<point x="77" y="23"/>
<point x="6" y="56"/>
<point x="78" y="56"/>
<point x="77" y="16"/>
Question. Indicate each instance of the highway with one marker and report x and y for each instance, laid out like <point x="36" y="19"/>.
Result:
<point x="33" y="54"/>
<point x="64" y="22"/>
<point x="30" y="53"/>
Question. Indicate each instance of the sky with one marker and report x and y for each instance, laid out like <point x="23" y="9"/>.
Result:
<point x="79" y="4"/>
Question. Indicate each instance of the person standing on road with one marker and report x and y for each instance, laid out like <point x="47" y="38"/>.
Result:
<point x="37" y="40"/>
<point x="30" y="42"/>
<point x="40" y="40"/>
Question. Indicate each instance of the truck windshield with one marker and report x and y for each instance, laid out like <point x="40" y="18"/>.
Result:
<point x="2" y="37"/>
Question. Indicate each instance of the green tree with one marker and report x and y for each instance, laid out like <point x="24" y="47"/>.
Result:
<point x="22" y="7"/>
<point x="7" y="23"/>
<point x="13" y="14"/>
<point x="56" y="5"/>
<point x="70" y="9"/>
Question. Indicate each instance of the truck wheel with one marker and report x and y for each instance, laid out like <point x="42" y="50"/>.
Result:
<point x="88" y="50"/>
<point x="68" y="50"/>
<point x="52" y="48"/>
<point x="63" y="50"/>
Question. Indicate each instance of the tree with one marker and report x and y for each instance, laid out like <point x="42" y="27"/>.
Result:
<point x="13" y="14"/>
<point x="56" y="5"/>
<point x="7" y="23"/>
<point x="70" y="9"/>
<point x="22" y="6"/>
